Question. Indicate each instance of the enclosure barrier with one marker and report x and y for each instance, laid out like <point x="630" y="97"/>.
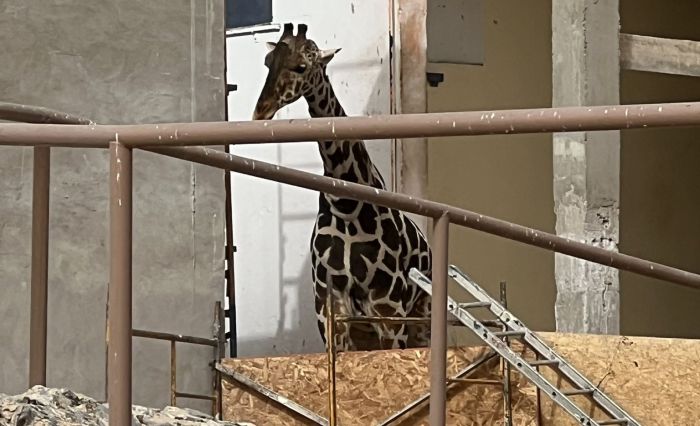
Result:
<point x="164" y="139"/>
<point x="218" y="344"/>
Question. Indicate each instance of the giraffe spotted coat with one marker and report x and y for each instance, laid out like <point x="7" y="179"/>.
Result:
<point x="361" y="251"/>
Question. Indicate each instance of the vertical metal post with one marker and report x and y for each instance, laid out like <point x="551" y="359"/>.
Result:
<point x="40" y="266"/>
<point x="219" y="318"/>
<point x="505" y="369"/>
<point x="438" y="323"/>
<point x="538" y="396"/>
<point x="230" y="271"/>
<point x="173" y="374"/>
<point x="119" y="292"/>
<point x="330" y="349"/>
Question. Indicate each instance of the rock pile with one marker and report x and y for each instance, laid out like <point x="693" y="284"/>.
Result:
<point x="49" y="406"/>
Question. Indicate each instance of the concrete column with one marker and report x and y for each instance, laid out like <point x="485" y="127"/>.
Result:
<point x="411" y="47"/>
<point x="586" y="71"/>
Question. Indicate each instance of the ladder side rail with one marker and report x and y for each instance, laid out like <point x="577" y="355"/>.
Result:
<point x="508" y="354"/>
<point x="566" y="369"/>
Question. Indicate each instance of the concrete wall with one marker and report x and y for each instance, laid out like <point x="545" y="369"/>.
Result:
<point x="122" y="61"/>
<point x="509" y="177"/>
<point x="660" y="182"/>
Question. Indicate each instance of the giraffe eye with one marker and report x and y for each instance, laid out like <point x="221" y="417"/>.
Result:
<point x="299" y="69"/>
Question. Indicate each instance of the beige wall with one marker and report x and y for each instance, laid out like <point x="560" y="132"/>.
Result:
<point x="660" y="182"/>
<point x="509" y="177"/>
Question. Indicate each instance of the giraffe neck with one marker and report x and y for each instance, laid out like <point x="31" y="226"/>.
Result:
<point x="347" y="160"/>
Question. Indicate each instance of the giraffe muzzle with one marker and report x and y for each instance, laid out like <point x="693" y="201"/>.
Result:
<point x="264" y="113"/>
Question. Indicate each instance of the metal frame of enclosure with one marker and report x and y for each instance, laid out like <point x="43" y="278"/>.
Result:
<point x="44" y="129"/>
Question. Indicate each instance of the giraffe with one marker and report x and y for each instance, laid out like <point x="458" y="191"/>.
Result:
<point x="361" y="251"/>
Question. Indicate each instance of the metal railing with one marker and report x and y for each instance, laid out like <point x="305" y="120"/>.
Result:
<point x="218" y="344"/>
<point x="174" y="139"/>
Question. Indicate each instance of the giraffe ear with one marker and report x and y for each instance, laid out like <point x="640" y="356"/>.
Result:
<point x="326" y="55"/>
<point x="271" y="45"/>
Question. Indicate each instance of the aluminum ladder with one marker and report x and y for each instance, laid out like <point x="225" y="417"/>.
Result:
<point x="514" y="328"/>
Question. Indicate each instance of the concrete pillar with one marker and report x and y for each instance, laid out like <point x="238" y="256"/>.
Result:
<point x="411" y="46"/>
<point x="586" y="71"/>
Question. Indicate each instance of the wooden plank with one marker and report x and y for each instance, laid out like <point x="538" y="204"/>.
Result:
<point x="660" y="55"/>
<point x="654" y="379"/>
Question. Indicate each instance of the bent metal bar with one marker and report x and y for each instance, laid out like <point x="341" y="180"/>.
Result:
<point x="165" y="136"/>
<point x="432" y="209"/>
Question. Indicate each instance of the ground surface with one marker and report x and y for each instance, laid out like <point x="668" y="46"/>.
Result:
<point x="48" y="406"/>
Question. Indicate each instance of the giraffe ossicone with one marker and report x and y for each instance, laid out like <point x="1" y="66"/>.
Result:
<point x="360" y="251"/>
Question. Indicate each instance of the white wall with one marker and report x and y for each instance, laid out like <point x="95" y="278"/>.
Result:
<point x="272" y="223"/>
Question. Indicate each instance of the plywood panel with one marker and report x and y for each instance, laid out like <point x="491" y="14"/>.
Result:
<point x="656" y="380"/>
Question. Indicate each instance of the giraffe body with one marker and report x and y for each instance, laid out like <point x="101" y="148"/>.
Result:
<point x="361" y="251"/>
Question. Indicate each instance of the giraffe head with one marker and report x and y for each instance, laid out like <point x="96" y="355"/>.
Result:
<point x="294" y="64"/>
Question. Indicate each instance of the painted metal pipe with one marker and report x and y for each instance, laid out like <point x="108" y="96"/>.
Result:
<point x="537" y="120"/>
<point x="438" y="322"/>
<point x="433" y="209"/>
<point x="173" y="373"/>
<point x="40" y="115"/>
<point x="40" y="266"/>
<point x="119" y="289"/>
<point x="331" y="358"/>
<point x="175" y="337"/>
<point x="230" y="266"/>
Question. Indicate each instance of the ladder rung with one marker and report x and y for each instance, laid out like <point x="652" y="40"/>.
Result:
<point x="577" y="392"/>
<point x="509" y="333"/>
<point x="475" y="305"/>
<point x="544" y="362"/>
<point x="492" y="323"/>
<point x="612" y="422"/>
<point x="477" y="381"/>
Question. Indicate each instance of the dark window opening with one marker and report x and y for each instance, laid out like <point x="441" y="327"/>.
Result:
<point x="243" y="13"/>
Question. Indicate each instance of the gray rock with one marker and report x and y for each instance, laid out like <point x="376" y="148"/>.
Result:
<point x="41" y="406"/>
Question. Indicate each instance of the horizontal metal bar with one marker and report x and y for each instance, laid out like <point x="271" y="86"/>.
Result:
<point x="612" y="422"/>
<point x="540" y="362"/>
<point x="38" y="115"/>
<point x="194" y="396"/>
<point x="174" y="337"/>
<point x="477" y="381"/>
<point x="376" y="319"/>
<point x="510" y="333"/>
<point x="578" y="392"/>
<point x="272" y="395"/>
<point x="538" y="120"/>
<point x="471" y="305"/>
<point x="433" y="209"/>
